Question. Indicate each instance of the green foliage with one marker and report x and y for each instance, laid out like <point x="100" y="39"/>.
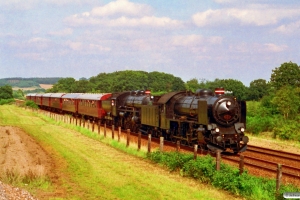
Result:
<point x="27" y="82"/>
<point x="136" y="80"/>
<point x="259" y="118"/>
<point x="82" y="86"/>
<point x="63" y="85"/>
<point x="288" y="130"/>
<point x="258" y="88"/>
<point x="287" y="100"/>
<point x="6" y="101"/>
<point x="31" y="104"/>
<point x="6" y="92"/>
<point x="228" y="178"/>
<point x="202" y="169"/>
<point x="194" y="84"/>
<point x="237" y="88"/>
<point x="19" y="94"/>
<point x="172" y="160"/>
<point x="288" y="74"/>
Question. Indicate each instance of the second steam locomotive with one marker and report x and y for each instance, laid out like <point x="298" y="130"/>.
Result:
<point x="210" y="119"/>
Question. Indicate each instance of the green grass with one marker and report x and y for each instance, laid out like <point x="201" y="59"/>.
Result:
<point x="89" y="168"/>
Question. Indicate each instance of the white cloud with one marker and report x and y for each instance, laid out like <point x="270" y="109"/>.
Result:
<point x="269" y="47"/>
<point x="86" y="48"/>
<point x="257" y="15"/>
<point x="289" y="29"/>
<point x="122" y="13"/>
<point x="122" y="8"/>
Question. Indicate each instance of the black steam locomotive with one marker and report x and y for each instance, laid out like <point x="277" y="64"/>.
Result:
<point x="210" y="119"/>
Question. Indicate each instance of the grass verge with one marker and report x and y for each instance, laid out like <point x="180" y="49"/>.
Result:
<point x="89" y="169"/>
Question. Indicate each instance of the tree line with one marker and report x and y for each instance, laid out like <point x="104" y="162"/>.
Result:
<point x="28" y="82"/>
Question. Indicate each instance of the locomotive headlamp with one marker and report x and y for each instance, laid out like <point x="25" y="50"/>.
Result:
<point x="217" y="130"/>
<point x="228" y="103"/>
<point x="242" y="129"/>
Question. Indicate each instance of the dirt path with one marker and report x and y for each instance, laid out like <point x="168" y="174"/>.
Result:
<point x="21" y="156"/>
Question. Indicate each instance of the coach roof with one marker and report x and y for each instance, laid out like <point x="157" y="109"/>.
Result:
<point x="71" y="95"/>
<point x="101" y="96"/>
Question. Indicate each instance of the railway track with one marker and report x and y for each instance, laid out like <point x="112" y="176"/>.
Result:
<point x="276" y="153"/>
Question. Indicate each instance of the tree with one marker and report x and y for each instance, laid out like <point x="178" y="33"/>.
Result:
<point x="258" y="88"/>
<point x="286" y="74"/>
<point x="287" y="101"/>
<point x="82" y="86"/>
<point x="237" y="88"/>
<point x="6" y="92"/>
<point x="64" y="85"/>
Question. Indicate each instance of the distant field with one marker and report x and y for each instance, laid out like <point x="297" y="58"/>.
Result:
<point x="44" y="86"/>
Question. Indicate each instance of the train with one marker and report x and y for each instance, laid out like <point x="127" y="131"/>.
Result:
<point x="211" y="119"/>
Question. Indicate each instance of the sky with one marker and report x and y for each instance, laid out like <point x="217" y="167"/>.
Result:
<point x="204" y="39"/>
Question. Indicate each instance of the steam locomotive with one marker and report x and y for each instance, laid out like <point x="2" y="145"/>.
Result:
<point x="210" y="119"/>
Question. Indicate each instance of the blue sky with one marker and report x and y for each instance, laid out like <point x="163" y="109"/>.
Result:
<point x="207" y="39"/>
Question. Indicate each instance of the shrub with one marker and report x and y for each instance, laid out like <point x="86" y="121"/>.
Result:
<point x="202" y="169"/>
<point x="172" y="160"/>
<point x="31" y="104"/>
<point x="228" y="178"/>
<point x="6" y="101"/>
<point x="288" y="130"/>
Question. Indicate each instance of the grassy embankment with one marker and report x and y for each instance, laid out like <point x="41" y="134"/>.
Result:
<point x="89" y="169"/>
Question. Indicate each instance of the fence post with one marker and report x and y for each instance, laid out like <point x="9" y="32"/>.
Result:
<point x="88" y="124"/>
<point x="149" y="143"/>
<point x="161" y="144"/>
<point x="195" y="151"/>
<point x="178" y="145"/>
<point x="113" y="131"/>
<point x="128" y="137"/>
<point x="93" y="126"/>
<point x="241" y="167"/>
<point x="99" y="123"/>
<point x="119" y="133"/>
<point x="139" y="140"/>
<point x="278" y="178"/>
<point x="104" y="129"/>
<point x="218" y="160"/>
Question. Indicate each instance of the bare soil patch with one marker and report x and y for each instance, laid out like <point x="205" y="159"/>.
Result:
<point x="20" y="155"/>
